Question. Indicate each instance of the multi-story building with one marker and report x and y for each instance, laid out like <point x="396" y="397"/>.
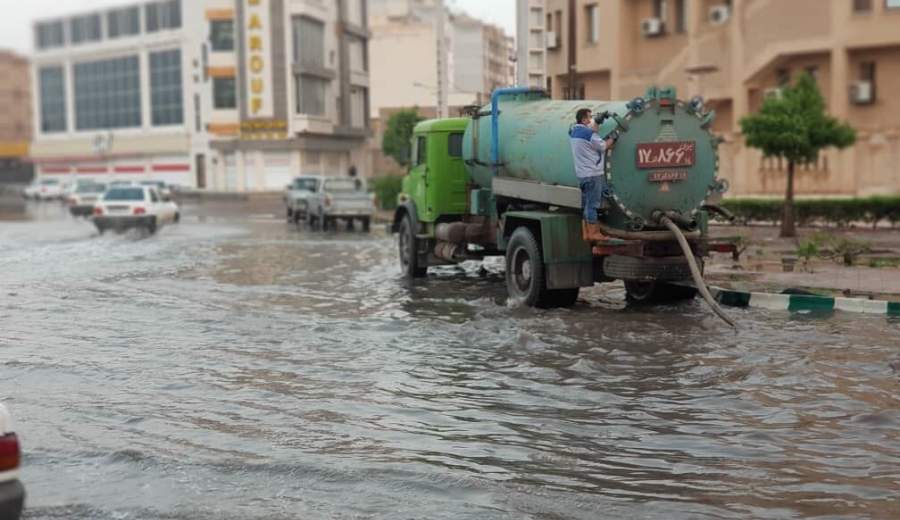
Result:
<point x="533" y="40"/>
<point x="15" y="125"/>
<point x="232" y="95"/>
<point x="734" y="53"/>
<point x="410" y="58"/>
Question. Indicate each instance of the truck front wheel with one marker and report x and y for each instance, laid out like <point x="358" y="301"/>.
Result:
<point x="525" y="280"/>
<point x="409" y="249"/>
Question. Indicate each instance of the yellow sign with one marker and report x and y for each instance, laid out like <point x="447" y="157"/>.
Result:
<point x="258" y="43"/>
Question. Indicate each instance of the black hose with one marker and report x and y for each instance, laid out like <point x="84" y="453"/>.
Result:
<point x="695" y="270"/>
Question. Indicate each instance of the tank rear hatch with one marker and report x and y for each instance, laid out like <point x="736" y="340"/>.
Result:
<point x="666" y="160"/>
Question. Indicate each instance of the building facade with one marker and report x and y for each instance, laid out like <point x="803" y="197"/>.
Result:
<point x="15" y="125"/>
<point x="533" y="40"/>
<point x="227" y="95"/>
<point x="474" y="57"/>
<point x="734" y="53"/>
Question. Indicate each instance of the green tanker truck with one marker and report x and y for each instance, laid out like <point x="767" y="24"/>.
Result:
<point x="502" y="183"/>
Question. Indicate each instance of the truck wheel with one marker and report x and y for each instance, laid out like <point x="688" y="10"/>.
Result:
<point x="525" y="270"/>
<point x="409" y="249"/>
<point x="657" y="292"/>
<point x="366" y="224"/>
<point x="151" y="227"/>
<point x="290" y="215"/>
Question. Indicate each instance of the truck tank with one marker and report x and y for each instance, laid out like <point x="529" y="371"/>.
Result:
<point x="665" y="159"/>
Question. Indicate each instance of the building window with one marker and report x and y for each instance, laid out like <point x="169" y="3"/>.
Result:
<point x="108" y="94"/>
<point x="680" y="16"/>
<point x="862" y="6"/>
<point x="357" y="50"/>
<point x="221" y="35"/>
<point x="358" y="104"/>
<point x="813" y="71"/>
<point x="311" y="93"/>
<point x="309" y="42"/>
<point x="52" y="88"/>
<point x="224" y="93"/>
<point x="166" y="98"/>
<point x="783" y="77"/>
<point x="164" y="15"/>
<point x="354" y="12"/>
<point x="557" y="27"/>
<point x="660" y="10"/>
<point x="867" y="73"/>
<point x="85" y="29"/>
<point x="50" y="35"/>
<point x="123" y="22"/>
<point x="592" y="18"/>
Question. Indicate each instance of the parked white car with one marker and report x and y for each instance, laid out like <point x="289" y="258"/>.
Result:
<point x="134" y="207"/>
<point x="44" y="189"/>
<point x="86" y="194"/>
<point x="160" y="186"/>
<point x="12" y="492"/>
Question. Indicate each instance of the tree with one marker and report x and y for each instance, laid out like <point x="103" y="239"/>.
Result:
<point x="398" y="134"/>
<point x="795" y="127"/>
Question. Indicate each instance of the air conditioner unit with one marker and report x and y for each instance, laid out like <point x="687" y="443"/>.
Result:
<point x="774" y="92"/>
<point x="719" y="14"/>
<point x="861" y="92"/>
<point x="651" y="27"/>
<point x="552" y="39"/>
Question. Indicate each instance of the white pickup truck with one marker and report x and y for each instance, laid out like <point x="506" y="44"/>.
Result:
<point x="297" y="194"/>
<point x="344" y="199"/>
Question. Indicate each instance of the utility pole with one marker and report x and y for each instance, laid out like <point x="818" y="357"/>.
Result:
<point x="571" y="42"/>
<point x="443" y="81"/>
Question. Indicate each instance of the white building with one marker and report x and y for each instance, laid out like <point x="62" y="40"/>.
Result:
<point x="406" y="47"/>
<point x="532" y="41"/>
<point x="231" y="95"/>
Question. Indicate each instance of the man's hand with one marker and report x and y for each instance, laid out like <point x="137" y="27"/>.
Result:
<point x="610" y="143"/>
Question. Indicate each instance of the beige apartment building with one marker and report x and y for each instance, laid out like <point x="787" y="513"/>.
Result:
<point x="734" y="53"/>
<point x="15" y="123"/>
<point x="411" y="65"/>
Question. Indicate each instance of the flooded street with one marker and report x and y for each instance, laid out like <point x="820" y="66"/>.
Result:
<point x="233" y="367"/>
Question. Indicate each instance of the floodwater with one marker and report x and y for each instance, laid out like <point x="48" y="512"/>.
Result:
<point x="237" y="368"/>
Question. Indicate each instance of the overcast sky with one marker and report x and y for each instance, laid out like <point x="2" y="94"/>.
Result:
<point x="15" y="24"/>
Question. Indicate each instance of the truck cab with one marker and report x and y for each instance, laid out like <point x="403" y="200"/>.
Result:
<point x="437" y="184"/>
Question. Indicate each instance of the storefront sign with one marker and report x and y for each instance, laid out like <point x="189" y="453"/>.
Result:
<point x="258" y="69"/>
<point x="666" y="155"/>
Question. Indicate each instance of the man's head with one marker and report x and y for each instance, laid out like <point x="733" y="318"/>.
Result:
<point x="583" y="116"/>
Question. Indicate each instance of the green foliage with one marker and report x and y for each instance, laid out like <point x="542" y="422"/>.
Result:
<point x="386" y="190"/>
<point x="848" y="250"/>
<point x="398" y="135"/>
<point x="794" y="125"/>
<point x="835" y="212"/>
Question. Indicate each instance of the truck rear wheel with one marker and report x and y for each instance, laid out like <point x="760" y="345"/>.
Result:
<point x="525" y="280"/>
<point x="657" y="292"/>
<point x="409" y="249"/>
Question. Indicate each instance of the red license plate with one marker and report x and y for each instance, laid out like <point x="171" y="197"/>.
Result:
<point x="666" y="155"/>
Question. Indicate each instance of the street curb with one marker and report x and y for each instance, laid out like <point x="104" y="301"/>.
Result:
<point x="803" y="303"/>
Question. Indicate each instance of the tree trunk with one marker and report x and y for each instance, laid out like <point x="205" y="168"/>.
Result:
<point x="788" y="228"/>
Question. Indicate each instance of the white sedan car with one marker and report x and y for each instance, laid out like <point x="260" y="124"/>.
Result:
<point x="134" y="207"/>
<point x="44" y="189"/>
<point x="12" y="493"/>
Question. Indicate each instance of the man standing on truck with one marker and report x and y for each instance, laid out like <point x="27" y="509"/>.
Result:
<point x="589" y="154"/>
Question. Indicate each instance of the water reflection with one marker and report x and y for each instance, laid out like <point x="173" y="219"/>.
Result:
<point x="233" y="369"/>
